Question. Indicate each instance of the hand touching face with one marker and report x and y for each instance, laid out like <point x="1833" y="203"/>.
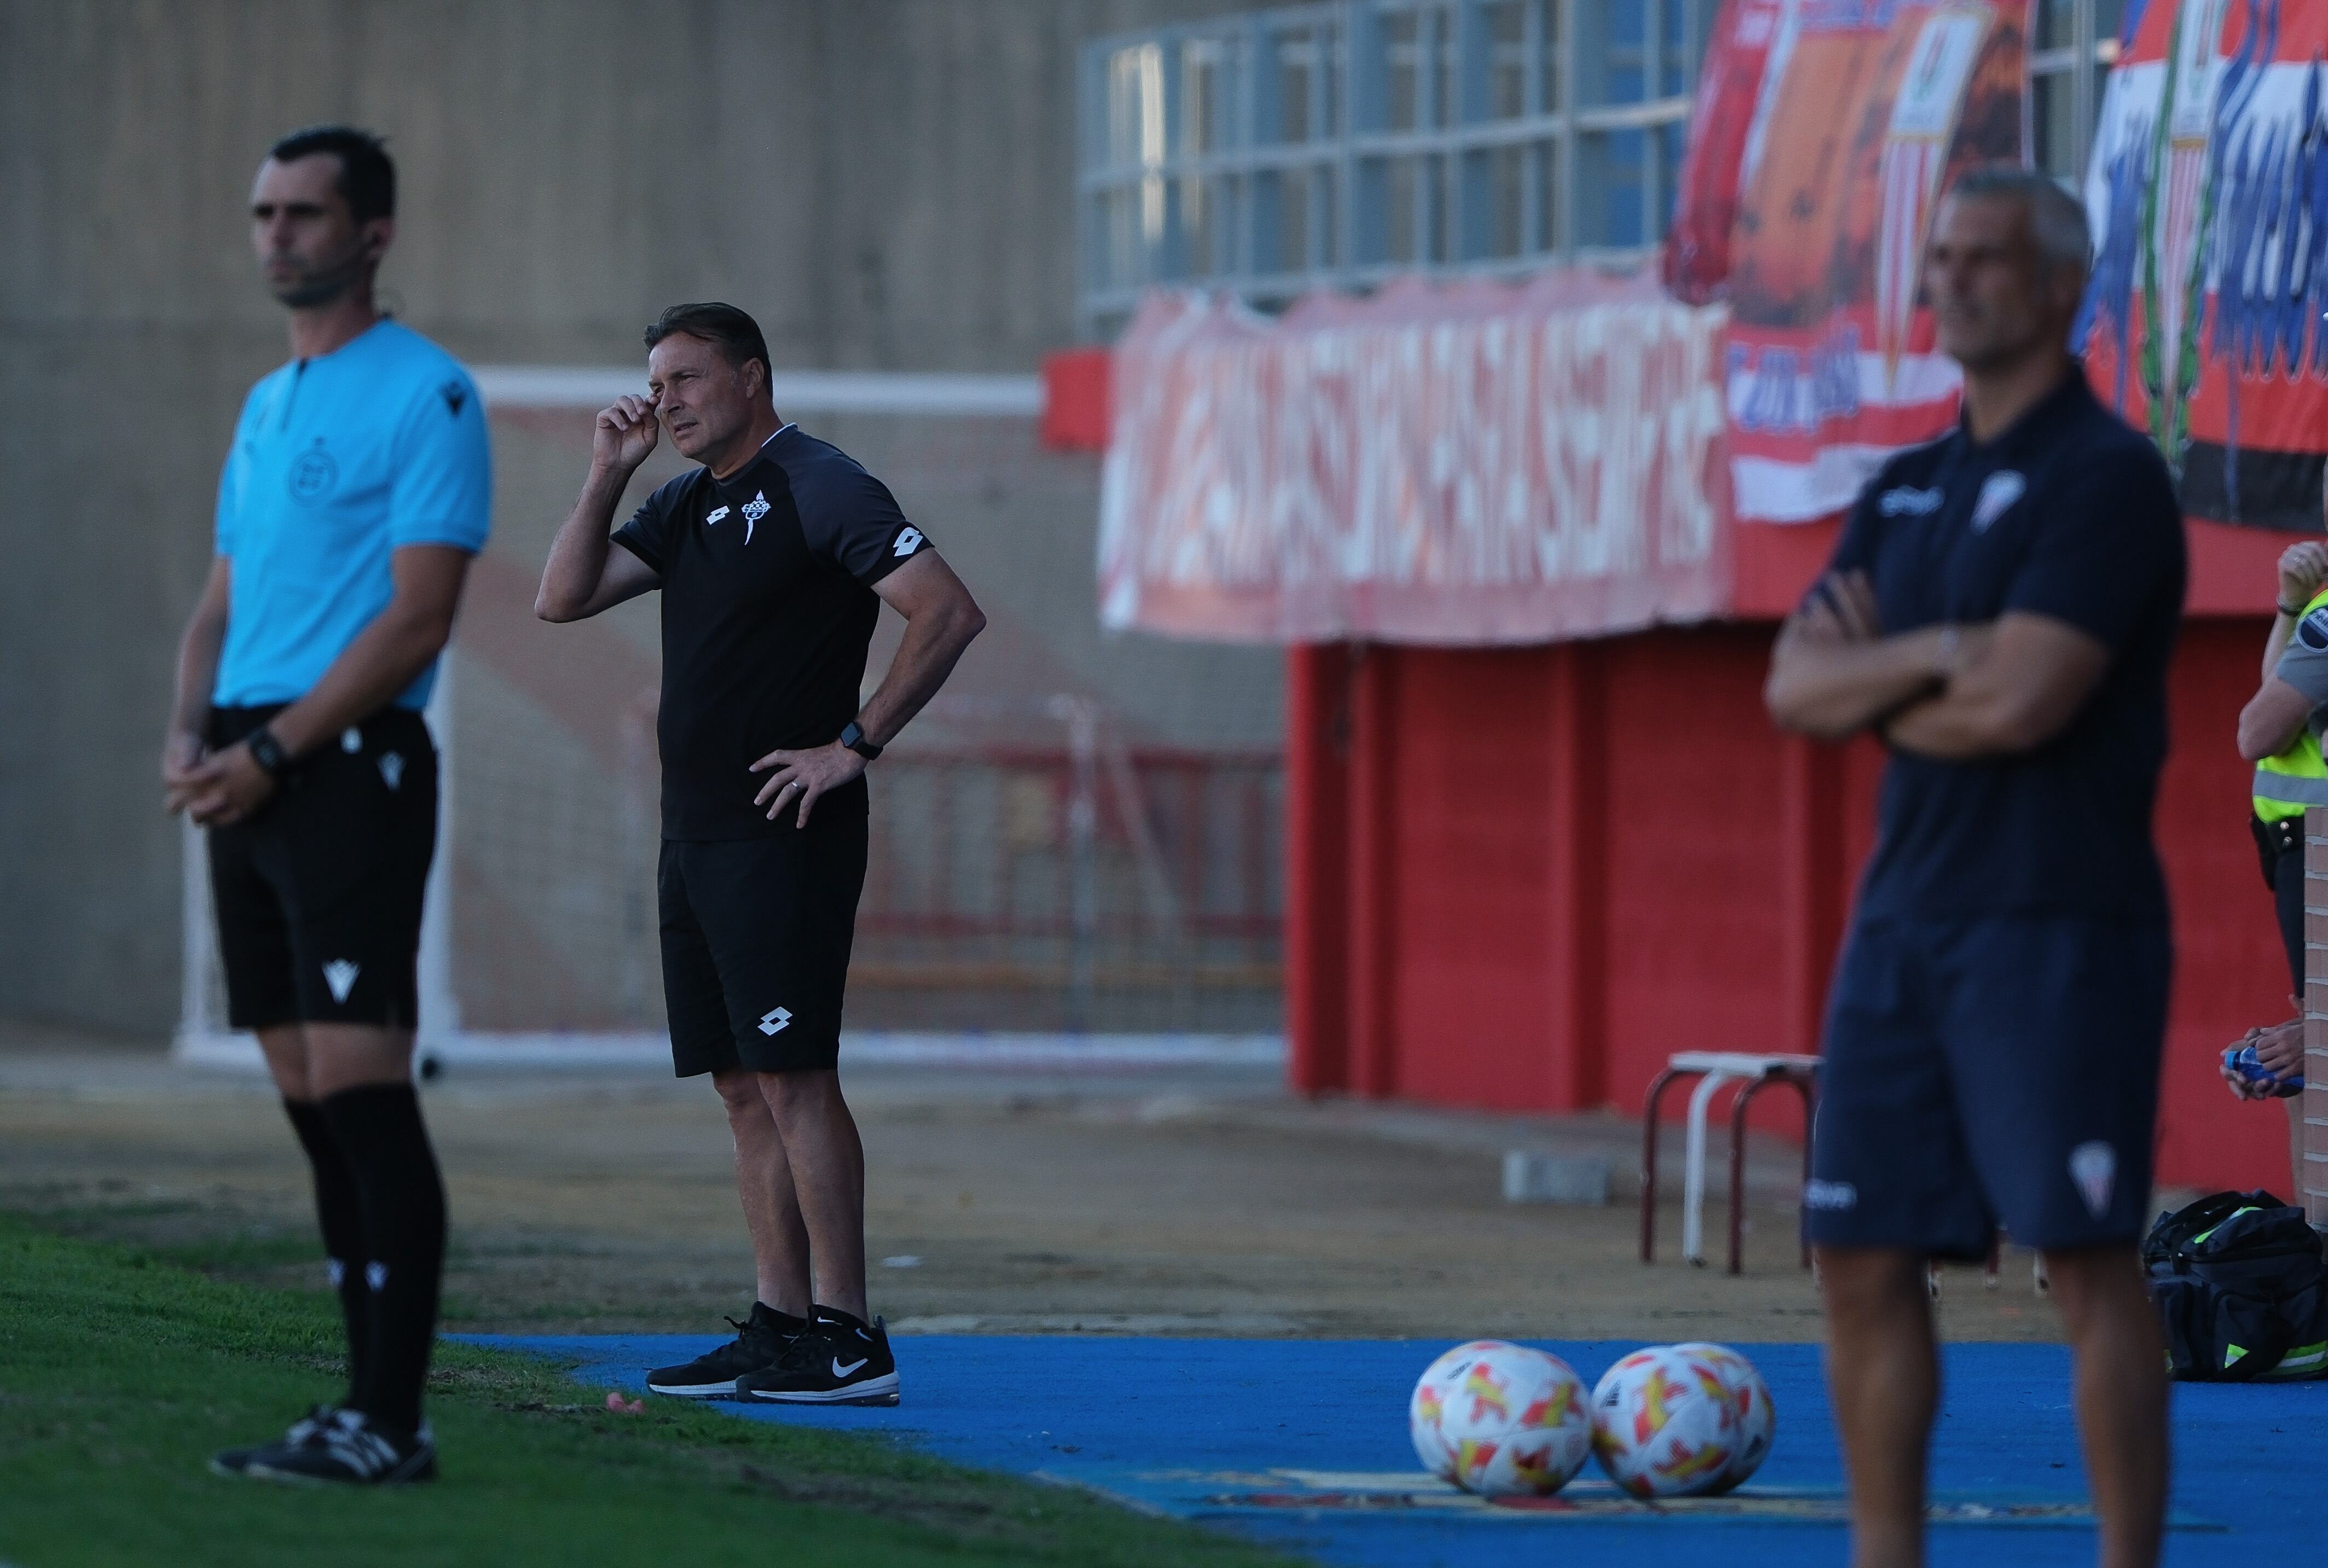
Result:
<point x="626" y="431"/>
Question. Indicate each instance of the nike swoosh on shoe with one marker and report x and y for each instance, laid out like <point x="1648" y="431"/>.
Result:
<point x="840" y="1371"/>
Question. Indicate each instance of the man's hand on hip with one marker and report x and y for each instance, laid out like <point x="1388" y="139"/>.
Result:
<point x="801" y="776"/>
<point x="223" y="789"/>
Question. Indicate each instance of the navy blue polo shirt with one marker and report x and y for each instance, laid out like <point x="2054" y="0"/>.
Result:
<point x="768" y="612"/>
<point x="2070" y="513"/>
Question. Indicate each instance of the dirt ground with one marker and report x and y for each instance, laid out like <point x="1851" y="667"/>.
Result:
<point x="1164" y="1202"/>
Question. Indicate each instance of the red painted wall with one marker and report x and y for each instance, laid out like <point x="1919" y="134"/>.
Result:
<point x="1523" y="877"/>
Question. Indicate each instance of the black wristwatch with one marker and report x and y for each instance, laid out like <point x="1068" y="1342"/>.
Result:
<point x="267" y="753"/>
<point x="852" y="736"/>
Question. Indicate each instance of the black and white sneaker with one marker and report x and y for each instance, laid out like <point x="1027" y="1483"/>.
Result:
<point x="236" y="1461"/>
<point x="351" y="1451"/>
<point x="840" y="1360"/>
<point x="760" y="1342"/>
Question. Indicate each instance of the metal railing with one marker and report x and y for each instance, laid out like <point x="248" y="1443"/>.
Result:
<point x="2072" y="45"/>
<point x="1349" y="142"/>
<point x="1090" y="871"/>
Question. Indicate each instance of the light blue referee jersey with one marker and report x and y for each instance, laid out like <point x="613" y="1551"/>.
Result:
<point x="337" y="461"/>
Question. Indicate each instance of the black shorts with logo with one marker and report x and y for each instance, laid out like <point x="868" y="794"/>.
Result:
<point x="756" y="940"/>
<point x="319" y="893"/>
<point x="1979" y="1070"/>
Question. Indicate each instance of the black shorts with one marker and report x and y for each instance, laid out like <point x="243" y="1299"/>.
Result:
<point x="755" y="939"/>
<point x="318" y="895"/>
<point x="2281" y="845"/>
<point x="1987" y="1070"/>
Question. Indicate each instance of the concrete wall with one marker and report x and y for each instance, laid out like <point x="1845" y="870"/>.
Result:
<point x="885" y="182"/>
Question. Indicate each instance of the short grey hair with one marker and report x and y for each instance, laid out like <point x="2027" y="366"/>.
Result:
<point x="2057" y="219"/>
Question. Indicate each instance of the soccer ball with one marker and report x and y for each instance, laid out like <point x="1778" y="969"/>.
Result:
<point x="1500" y="1420"/>
<point x="1664" y="1423"/>
<point x="1750" y="1404"/>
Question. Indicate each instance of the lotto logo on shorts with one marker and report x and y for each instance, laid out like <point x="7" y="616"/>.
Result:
<point x="1830" y="1195"/>
<point x="774" y="1018"/>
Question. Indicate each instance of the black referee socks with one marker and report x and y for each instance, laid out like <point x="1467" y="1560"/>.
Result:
<point x="340" y="1216"/>
<point x="378" y="1128"/>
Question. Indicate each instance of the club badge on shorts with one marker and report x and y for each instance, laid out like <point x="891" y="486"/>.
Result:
<point x="2093" y="1165"/>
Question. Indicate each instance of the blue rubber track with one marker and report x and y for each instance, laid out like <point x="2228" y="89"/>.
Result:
<point x="1200" y="1428"/>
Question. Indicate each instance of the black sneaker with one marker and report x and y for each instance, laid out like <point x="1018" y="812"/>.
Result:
<point x="351" y="1451"/>
<point x="840" y="1360"/>
<point x="235" y="1462"/>
<point x="760" y="1342"/>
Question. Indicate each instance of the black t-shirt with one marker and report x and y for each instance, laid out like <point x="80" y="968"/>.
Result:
<point x="2070" y="513"/>
<point x="767" y="611"/>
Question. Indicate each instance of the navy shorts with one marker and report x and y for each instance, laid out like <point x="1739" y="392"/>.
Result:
<point x="1999" y="1069"/>
<point x="756" y="940"/>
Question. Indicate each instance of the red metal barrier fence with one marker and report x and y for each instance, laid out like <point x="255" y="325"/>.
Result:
<point x="1092" y="886"/>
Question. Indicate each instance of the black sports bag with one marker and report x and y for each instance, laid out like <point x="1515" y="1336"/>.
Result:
<point x="2240" y="1288"/>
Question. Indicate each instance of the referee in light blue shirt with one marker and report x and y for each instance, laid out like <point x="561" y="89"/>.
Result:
<point x="358" y="488"/>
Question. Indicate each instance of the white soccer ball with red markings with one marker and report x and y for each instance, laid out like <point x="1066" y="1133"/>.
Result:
<point x="1500" y="1420"/>
<point x="1665" y="1424"/>
<point x="1750" y="1405"/>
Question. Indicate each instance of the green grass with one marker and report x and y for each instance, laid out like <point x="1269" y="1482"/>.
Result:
<point x="121" y="1372"/>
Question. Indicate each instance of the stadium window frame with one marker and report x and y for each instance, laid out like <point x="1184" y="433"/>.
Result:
<point x="2085" y="60"/>
<point x="1374" y="144"/>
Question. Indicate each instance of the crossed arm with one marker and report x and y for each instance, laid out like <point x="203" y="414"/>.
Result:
<point x="1953" y="693"/>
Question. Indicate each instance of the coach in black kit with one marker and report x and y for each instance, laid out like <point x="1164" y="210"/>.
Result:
<point x="773" y="558"/>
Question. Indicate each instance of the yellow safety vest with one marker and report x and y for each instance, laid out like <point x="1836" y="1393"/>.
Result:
<point x="2298" y="776"/>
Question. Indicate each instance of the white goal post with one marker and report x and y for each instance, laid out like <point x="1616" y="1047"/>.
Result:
<point x="599" y="920"/>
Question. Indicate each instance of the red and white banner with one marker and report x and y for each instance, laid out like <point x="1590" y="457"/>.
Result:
<point x="2207" y="323"/>
<point x="1849" y="119"/>
<point x="1749" y="42"/>
<point x="1478" y="464"/>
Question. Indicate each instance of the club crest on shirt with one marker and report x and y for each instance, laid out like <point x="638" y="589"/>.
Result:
<point x="754" y="510"/>
<point x="312" y="474"/>
<point x="2313" y="630"/>
<point x="1998" y="492"/>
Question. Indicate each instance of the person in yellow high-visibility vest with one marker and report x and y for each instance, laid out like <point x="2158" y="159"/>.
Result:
<point x="2280" y="732"/>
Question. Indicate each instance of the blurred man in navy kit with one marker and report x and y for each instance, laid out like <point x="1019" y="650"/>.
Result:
<point x="2000" y="611"/>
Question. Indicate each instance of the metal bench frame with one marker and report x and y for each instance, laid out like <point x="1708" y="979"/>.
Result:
<point x="1754" y="1074"/>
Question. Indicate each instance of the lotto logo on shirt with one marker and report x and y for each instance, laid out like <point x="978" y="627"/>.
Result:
<point x="907" y="542"/>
